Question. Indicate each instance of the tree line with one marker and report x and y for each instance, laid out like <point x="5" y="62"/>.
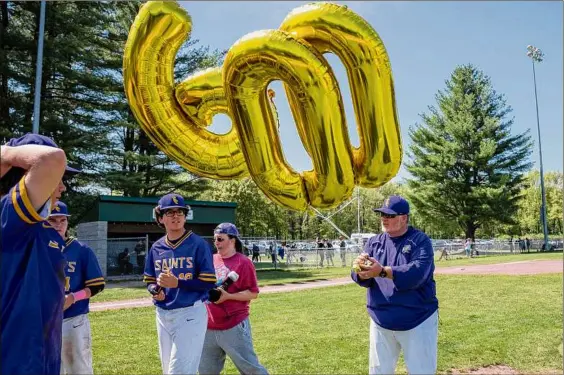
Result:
<point x="470" y="174"/>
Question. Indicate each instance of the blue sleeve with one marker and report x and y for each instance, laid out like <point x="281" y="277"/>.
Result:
<point x="17" y="212"/>
<point x="413" y="274"/>
<point x="149" y="275"/>
<point x="92" y="272"/>
<point x="204" y="273"/>
<point x="368" y="282"/>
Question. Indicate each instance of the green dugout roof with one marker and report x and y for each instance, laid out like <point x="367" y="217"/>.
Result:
<point x="140" y="210"/>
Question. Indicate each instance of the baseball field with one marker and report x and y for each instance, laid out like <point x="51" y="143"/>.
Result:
<point x="489" y="323"/>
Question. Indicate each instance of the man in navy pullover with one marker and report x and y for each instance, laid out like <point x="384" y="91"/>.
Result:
<point x="401" y="294"/>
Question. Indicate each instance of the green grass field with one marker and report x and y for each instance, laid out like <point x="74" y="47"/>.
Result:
<point x="285" y="276"/>
<point x="484" y="320"/>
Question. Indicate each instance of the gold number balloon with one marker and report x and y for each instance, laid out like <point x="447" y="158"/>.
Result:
<point x="176" y="118"/>
<point x="337" y="29"/>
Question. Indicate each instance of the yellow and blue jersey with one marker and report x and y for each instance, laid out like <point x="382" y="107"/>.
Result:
<point x="83" y="270"/>
<point x="32" y="286"/>
<point x="190" y="259"/>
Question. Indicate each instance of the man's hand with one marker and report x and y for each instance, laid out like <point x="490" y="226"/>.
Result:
<point x="69" y="300"/>
<point x="167" y="280"/>
<point x="160" y="296"/>
<point x="371" y="271"/>
<point x="224" y="296"/>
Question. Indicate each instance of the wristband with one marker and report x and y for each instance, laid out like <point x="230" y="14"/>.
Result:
<point x="79" y="296"/>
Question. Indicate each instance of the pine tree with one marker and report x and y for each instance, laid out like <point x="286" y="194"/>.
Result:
<point x="136" y="166"/>
<point x="83" y="106"/>
<point x="467" y="165"/>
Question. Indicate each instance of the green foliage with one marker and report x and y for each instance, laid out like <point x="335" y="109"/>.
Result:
<point x="83" y="106"/>
<point x="466" y="165"/>
<point x="528" y="214"/>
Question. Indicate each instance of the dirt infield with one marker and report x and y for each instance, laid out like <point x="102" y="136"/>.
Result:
<point x="532" y="267"/>
<point x="528" y="267"/>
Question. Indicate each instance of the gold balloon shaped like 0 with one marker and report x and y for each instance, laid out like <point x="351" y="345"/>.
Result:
<point x="175" y="119"/>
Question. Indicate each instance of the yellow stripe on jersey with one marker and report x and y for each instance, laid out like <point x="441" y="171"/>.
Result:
<point x="182" y="239"/>
<point x="69" y="241"/>
<point x="149" y="279"/>
<point x="18" y="209"/>
<point x="94" y="280"/>
<point x="208" y="279"/>
<point x="27" y="202"/>
<point x="96" y="284"/>
<point x="207" y="274"/>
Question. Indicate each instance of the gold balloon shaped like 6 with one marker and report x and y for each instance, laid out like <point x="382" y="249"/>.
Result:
<point x="175" y="119"/>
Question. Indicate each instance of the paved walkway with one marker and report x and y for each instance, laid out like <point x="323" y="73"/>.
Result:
<point x="512" y="268"/>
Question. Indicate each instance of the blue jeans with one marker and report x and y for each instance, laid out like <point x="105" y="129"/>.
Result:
<point x="237" y="343"/>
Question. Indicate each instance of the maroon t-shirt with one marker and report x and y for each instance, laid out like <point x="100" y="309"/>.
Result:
<point x="228" y="314"/>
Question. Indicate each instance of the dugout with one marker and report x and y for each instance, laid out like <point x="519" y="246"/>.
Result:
<point x="114" y="223"/>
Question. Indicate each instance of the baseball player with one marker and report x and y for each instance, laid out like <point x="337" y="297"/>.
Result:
<point x="32" y="272"/>
<point x="397" y="269"/>
<point x="179" y="272"/>
<point x="83" y="280"/>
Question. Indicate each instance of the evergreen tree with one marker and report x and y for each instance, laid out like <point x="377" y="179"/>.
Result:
<point x="467" y="166"/>
<point x="136" y="166"/>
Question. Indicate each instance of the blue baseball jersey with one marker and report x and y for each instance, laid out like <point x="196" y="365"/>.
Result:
<point x="82" y="271"/>
<point x="190" y="260"/>
<point x="32" y="286"/>
<point x="407" y="300"/>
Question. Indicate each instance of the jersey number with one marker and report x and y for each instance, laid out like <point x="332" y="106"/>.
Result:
<point x="185" y="276"/>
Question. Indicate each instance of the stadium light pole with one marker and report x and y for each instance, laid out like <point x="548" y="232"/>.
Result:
<point x="537" y="56"/>
<point x="39" y="69"/>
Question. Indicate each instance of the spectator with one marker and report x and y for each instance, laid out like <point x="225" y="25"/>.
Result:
<point x="125" y="266"/>
<point x="272" y="252"/>
<point x="468" y="247"/>
<point x="256" y="253"/>
<point x="229" y="328"/>
<point x="320" y="251"/>
<point x="329" y="251"/>
<point x="343" y="248"/>
<point x="140" y="251"/>
<point x="281" y="250"/>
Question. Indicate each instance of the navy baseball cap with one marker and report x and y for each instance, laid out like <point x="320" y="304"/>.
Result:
<point x="60" y="209"/>
<point x="171" y="201"/>
<point x="226" y="228"/>
<point x="41" y="140"/>
<point x="394" y="205"/>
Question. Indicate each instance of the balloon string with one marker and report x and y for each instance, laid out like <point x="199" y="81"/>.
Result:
<point x="318" y="213"/>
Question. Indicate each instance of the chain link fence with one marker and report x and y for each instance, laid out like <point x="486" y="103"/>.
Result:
<point x="126" y="256"/>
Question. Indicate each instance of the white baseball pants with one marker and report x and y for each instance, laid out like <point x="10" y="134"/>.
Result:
<point x="76" y="352"/>
<point x="419" y="348"/>
<point x="181" y="338"/>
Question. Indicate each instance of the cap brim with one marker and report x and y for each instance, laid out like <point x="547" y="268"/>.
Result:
<point x="52" y="215"/>
<point x="386" y="210"/>
<point x="70" y="171"/>
<point x="167" y="207"/>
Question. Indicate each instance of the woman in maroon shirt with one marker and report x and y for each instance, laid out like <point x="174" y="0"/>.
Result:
<point x="229" y="329"/>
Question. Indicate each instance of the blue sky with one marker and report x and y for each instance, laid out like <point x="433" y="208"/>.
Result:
<point x="425" y="42"/>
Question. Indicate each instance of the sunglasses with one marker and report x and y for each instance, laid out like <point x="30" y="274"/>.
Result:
<point x="388" y="216"/>
<point x="219" y="239"/>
